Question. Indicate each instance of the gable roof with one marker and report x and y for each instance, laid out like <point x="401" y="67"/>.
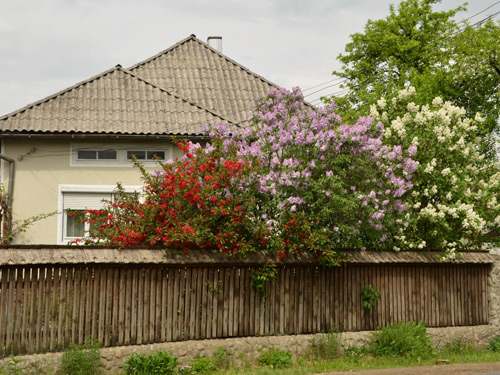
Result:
<point x="175" y="92"/>
<point x="194" y="70"/>
<point x="116" y="102"/>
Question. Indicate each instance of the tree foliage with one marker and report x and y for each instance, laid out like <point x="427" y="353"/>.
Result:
<point x="429" y="50"/>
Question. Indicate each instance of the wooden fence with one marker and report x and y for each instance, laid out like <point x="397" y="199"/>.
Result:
<point x="45" y="307"/>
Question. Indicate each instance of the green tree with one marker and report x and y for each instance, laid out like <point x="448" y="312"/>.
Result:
<point x="429" y="50"/>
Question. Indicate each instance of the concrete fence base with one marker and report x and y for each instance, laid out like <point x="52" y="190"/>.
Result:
<point x="240" y="351"/>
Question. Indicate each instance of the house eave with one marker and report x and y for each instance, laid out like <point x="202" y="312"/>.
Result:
<point x="47" y="135"/>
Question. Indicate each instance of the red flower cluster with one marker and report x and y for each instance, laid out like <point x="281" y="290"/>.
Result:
<point x="196" y="202"/>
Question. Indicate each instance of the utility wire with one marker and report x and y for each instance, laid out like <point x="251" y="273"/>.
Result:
<point x="478" y="23"/>
<point x="486" y="19"/>
<point x="478" y="13"/>
<point x="324" y="88"/>
<point x="324" y="83"/>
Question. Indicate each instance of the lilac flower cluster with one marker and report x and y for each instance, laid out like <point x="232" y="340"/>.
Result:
<point x="340" y="177"/>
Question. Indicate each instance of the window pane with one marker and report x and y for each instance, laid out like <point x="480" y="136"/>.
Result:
<point x="156" y="154"/>
<point x="107" y="154"/>
<point x="75" y="227"/>
<point x="139" y="155"/>
<point x="87" y="154"/>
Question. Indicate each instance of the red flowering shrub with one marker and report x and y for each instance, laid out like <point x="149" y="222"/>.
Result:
<point x="195" y="202"/>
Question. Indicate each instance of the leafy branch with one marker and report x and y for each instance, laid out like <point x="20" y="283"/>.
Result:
<point x="261" y="276"/>
<point x="370" y="296"/>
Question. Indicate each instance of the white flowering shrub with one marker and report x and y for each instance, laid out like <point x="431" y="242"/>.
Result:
<point x="453" y="205"/>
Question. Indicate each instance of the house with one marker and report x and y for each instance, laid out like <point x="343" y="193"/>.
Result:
<point x="69" y="150"/>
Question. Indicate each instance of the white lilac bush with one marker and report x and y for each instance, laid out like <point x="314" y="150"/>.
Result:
<point x="453" y="205"/>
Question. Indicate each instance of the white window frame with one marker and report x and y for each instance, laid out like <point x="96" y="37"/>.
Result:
<point x="97" y="189"/>
<point x="121" y="153"/>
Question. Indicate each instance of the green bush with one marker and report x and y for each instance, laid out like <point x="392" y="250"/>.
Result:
<point x="276" y="358"/>
<point x="81" y="359"/>
<point x="326" y="347"/>
<point x="494" y="344"/>
<point x="202" y="365"/>
<point x="401" y="340"/>
<point x="157" y="363"/>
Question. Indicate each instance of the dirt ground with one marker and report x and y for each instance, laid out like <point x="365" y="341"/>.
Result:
<point x="462" y="369"/>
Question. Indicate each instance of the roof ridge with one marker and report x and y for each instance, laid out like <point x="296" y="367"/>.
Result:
<point x="238" y="64"/>
<point x="192" y="36"/>
<point x="206" y="45"/>
<point x="177" y="96"/>
<point x="61" y="92"/>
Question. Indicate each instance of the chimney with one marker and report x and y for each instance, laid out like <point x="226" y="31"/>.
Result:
<point x="215" y="42"/>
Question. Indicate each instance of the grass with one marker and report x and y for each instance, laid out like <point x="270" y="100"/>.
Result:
<point x="369" y="363"/>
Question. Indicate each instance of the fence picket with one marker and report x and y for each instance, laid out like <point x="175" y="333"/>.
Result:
<point x="26" y="296"/>
<point x="116" y="304"/>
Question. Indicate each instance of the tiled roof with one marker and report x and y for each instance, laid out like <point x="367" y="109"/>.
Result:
<point x="175" y="92"/>
<point x="117" y="102"/>
<point x="194" y="70"/>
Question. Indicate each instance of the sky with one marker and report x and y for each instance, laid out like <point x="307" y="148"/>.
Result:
<point x="49" y="45"/>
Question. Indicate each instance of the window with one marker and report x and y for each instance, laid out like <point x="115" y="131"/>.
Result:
<point x="87" y="155"/>
<point x="74" y="200"/>
<point x="146" y="155"/>
<point x="97" y="155"/>
<point x="74" y="206"/>
<point x="75" y="228"/>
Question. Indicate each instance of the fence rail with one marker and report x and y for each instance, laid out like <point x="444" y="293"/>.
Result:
<point x="45" y="307"/>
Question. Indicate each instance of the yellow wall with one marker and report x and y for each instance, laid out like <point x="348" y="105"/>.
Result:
<point x="42" y="164"/>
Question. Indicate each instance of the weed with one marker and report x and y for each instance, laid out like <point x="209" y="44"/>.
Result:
<point x="38" y="368"/>
<point x="370" y="296"/>
<point x="81" y="359"/>
<point x="326" y="347"/>
<point x="401" y="340"/>
<point x="261" y="276"/>
<point x="186" y="370"/>
<point x="157" y="363"/>
<point x="355" y="352"/>
<point x="203" y="365"/>
<point x="276" y="358"/>
<point x="11" y="367"/>
<point x="245" y="363"/>
<point x="200" y="365"/>
<point x="494" y="344"/>
<point x="459" y="345"/>
<point x="221" y="358"/>
<point x="216" y="288"/>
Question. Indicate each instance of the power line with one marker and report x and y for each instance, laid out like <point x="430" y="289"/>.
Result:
<point x="478" y="13"/>
<point x="486" y="19"/>
<point x="324" y="88"/>
<point x="321" y="84"/>
<point x="337" y="93"/>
